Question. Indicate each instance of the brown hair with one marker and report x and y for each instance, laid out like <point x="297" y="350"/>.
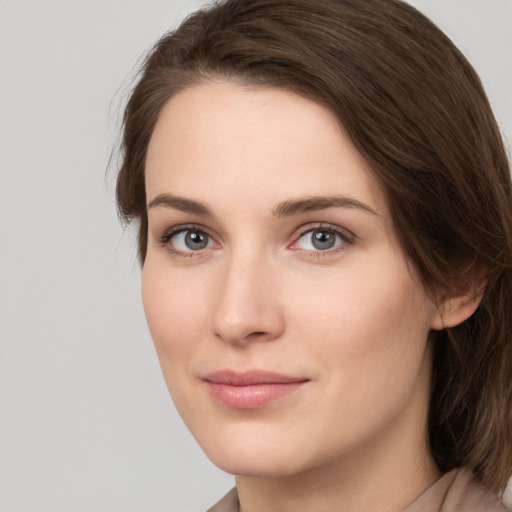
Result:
<point x="415" y="108"/>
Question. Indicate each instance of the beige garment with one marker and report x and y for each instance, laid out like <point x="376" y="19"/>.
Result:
<point x="456" y="491"/>
<point x="229" y="503"/>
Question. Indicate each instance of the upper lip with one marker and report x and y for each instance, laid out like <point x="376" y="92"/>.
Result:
<point x="250" y="377"/>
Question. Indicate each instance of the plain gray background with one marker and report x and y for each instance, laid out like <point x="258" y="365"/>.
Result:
<point x="85" y="420"/>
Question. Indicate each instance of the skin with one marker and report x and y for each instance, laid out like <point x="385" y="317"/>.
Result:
<point x="353" y="319"/>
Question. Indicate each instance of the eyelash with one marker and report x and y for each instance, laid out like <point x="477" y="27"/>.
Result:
<point x="167" y="236"/>
<point x="347" y="239"/>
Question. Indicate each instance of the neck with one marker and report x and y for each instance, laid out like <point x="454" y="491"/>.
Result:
<point x="388" y="483"/>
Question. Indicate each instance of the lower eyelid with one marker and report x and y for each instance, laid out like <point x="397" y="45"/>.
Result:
<point x="181" y="254"/>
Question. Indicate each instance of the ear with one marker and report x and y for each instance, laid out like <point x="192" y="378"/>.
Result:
<point x="455" y="308"/>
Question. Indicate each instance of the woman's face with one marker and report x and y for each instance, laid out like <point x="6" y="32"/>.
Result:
<point x="291" y="330"/>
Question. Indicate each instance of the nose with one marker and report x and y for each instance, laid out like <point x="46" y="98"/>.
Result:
<point x="247" y="305"/>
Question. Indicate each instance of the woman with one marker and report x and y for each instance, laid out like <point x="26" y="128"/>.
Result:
<point x="324" y="208"/>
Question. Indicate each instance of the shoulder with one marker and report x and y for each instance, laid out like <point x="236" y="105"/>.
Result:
<point x="458" y="491"/>
<point x="467" y="494"/>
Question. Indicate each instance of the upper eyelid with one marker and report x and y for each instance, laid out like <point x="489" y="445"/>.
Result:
<point x="170" y="232"/>
<point x="327" y="226"/>
<point x="187" y="227"/>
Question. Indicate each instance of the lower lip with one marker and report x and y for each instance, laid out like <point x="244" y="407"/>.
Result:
<point x="251" y="396"/>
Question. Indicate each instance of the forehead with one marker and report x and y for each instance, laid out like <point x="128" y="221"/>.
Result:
<point x="231" y="137"/>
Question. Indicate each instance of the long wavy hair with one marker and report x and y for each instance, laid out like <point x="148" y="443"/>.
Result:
<point x="415" y="108"/>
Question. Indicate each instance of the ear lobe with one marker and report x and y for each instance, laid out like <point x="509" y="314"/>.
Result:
<point x="453" y="310"/>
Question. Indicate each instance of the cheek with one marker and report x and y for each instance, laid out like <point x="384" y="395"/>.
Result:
<point x="369" y="336"/>
<point x="175" y="309"/>
<point x="370" y="326"/>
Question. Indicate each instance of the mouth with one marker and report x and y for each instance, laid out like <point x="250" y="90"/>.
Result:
<point x="250" y="389"/>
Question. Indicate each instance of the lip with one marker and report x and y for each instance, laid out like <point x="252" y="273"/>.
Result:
<point x="250" y="389"/>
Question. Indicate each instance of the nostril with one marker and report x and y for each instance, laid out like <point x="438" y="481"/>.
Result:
<point x="259" y="335"/>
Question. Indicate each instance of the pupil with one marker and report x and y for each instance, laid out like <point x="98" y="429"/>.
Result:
<point x="323" y="240"/>
<point x="195" y="240"/>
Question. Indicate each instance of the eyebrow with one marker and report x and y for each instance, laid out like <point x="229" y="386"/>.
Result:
<point x="180" y="203"/>
<point x="284" y="209"/>
<point x="295" y="207"/>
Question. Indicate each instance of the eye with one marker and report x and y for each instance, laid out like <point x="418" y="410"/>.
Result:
<point x="319" y="240"/>
<point x="322" y="239"/>
<point x="187" y="240"/>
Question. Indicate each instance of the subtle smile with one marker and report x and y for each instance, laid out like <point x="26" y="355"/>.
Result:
<point x="251" y="389"/>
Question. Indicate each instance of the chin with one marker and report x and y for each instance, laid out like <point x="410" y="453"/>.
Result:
<point x="255" y="465"/>
<point x="256" y="457"/>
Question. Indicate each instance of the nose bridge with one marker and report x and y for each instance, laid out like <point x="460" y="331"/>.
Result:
<point x="247" y="306"/>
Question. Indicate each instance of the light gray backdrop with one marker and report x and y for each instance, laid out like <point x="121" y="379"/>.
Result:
<point x="85" y="420"/>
